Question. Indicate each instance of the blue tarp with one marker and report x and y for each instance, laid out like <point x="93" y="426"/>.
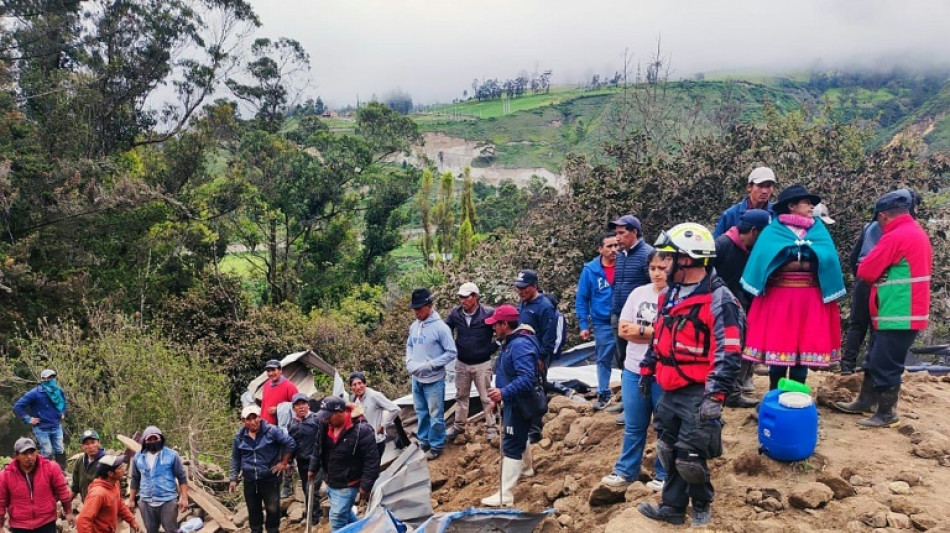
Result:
<point x="474" y="520"/>
<point x="378" y="521"/>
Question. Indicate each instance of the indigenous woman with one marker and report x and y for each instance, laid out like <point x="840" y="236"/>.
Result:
<point x="794" y="273"/>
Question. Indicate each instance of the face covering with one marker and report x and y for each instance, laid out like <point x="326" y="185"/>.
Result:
<point x="153" y="446"/>
<point x="54" y="393"/>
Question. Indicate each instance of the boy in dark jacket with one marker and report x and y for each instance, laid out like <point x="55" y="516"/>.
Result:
<point x="348" y="456"/>
<point x="260" y="453"/>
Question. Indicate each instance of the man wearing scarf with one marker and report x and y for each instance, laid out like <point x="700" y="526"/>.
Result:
<point x="44" y="408"/>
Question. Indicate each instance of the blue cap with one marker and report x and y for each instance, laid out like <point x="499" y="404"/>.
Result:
<point x="756" y="218"/>
<point x="900" y="198"/>
<point x="525" y="278"/>
<point x="626" y="220"/>
<point x="300" y="397"/>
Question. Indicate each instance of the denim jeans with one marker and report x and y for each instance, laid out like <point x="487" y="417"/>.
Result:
<point x="50" y="441"/>
<point x="428" y="399"/>
<point x="341" y="506"/>
<point x="637" y="412"/>
<point x="605" y="346"/>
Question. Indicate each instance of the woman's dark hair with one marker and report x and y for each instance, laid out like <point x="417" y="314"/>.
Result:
<point x="656" y="253"/>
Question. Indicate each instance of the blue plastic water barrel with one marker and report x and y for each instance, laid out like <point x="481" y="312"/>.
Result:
<point x="787" y="433"/>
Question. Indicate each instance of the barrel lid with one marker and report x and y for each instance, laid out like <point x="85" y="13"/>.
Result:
<point x="794" y="400"/>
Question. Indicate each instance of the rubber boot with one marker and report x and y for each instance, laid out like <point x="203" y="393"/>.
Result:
<point x="286" y="491"/>
<point x="737" y="400"/>
<point x="61" y="461"/>
<point x="511" y="470"/>
<point x="662" y="513"/>
<point x="527" y="462"/>
<point x="886" y="414"/>
<point x="746" y="377"/>
<point x="866" y="401"/>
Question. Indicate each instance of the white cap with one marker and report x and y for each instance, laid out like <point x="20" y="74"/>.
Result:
<point x="252" y="409"/>
<point x="821" y="211"/>
<point x="48" y="373"/>
<point x="468" y="288"/>
<point x="761" y="175"/>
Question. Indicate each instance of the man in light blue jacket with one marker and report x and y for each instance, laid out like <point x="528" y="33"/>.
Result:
<point x="429" y="349"/>
<point x="593" y="302"/>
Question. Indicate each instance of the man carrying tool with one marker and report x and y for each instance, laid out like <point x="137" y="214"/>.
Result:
<point x="305" y="428"/>
<point x="516" y="373"/>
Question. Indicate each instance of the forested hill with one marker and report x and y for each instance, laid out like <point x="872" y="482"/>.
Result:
<point x="539" y="130"/>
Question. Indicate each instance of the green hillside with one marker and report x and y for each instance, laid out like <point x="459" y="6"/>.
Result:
<point x="540" y="130"/>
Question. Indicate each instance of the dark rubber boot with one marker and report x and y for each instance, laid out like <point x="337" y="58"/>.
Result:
<point x="662" y="513"/>
<point x="739" y="401"/>
<point x="865" y="402"/>
<point x="61" y="461"/>
<point x="886" y="414"/>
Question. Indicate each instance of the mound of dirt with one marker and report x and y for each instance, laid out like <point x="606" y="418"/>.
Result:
<point x="858" y="480"/>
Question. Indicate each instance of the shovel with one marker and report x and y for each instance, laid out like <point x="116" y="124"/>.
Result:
<point x="310" y="490"/>
<point x="501" y="457"/>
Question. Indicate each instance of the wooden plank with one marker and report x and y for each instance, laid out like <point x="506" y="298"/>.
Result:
<point x="129" y="443"/>
<point x="215" y="510"/>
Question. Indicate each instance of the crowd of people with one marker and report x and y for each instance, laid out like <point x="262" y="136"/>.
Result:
<point x="689" y="321"/>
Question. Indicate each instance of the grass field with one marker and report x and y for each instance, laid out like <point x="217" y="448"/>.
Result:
<point x="242" y="264"/>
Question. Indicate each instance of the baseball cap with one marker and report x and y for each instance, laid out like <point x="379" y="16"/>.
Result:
<point x="23" y="444"/>
<point x="108" y="463"/>
<point x="761" y="175"/>
<point x="89" y="434"/>
<point x="300" y="397"/>
<point x="898" y="198"/>
<point x="273" y="363"/>
<point x="333" y="404"/>
<point x="626" y="220"/>
<point x="526" y="277"/>
<point x="504" y="313"/>
<point x="250" y="410"/>
<point x="48" y="373"/>
<point x="756" y="218"/>
<point x="821" y="211"/>
<point x="468" y="288"/>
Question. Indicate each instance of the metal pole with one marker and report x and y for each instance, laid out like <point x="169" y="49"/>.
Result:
<point x="310" y="489"/>
<point x="501" y="457"/>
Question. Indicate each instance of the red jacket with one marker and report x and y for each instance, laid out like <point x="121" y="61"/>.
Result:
<point x="272" y="395"/>
<point x="904" y="255"/>
<point x="33" y="508"/>
<point x="102" y="508"/>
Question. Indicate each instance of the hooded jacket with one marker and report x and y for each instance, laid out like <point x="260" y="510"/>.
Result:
<point x="905" y="256"/>
<point x="594" y="295"/>
<point x="353" y="460"/>
<point x="32" y="504"/>
<point x="37" y="403"/>
<point x="255" y="457"/>
<point x="731" y="258"/>
<point x="429" y="349"/>
<point x="516" y="371"/>
<point x="103" y="508"/>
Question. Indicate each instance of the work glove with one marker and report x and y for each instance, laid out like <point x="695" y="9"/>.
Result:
<point x="710" y="409"/>
<point x="646" y="386"/>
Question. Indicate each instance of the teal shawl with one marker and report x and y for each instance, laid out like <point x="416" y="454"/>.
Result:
<point x="778" y="244"/>
<point x="55" y="394"/>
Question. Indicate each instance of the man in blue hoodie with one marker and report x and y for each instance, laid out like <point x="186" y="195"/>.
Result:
<point x="594" y="298"/>
<point x="44" y="408"/>
<point x="429" y="349"/>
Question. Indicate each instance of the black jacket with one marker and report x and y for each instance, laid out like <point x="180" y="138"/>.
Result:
<point x="474" y="342"/>
<point x="306" y="433"/>
<point x="730" y="261"/>
<point x="353" y="460"/>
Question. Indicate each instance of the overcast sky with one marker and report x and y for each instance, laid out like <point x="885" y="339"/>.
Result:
<point x="434" y="48"/>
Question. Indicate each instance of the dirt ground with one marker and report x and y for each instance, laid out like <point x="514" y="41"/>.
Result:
<point x="886" y="479"/>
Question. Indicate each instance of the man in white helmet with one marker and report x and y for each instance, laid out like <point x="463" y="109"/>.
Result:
<point x="694" y="357"/>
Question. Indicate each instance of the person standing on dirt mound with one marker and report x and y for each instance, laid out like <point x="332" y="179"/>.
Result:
<point x="695" y="358"/>
<point x="592" y="304"/>
<point x="44" y="409"/>
<point x="516" y="374"/>
<point x="898" y="269"/>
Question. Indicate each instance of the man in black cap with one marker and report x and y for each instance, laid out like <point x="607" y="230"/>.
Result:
<point x="305" y="428"/>
<point x="275" y="391"/>
<point x="631" y="270"/>
<point x="85" y="469"/>
<point x="732" y="253"/>
<point x="537" y="311"/>
<point x="430" y="348"/>
<point x="347" y="454"/>
<point x="30" y="486"/>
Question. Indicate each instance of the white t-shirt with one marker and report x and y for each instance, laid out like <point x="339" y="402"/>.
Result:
<point x="641" y="309"/>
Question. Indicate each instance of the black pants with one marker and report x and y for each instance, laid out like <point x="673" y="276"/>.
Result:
<point x="678" y="425"/>
<point x="885" y="360"/>
<point x="621" y="342"/>
<point x="858" y="324"/>
<point x="263" y="496"/>
<point x="302" y="472"/>
<point x="48" y="528"/>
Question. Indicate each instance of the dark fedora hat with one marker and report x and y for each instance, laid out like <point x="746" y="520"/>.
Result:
<point x="792" y="194"/>
<point x="420" y="298"/>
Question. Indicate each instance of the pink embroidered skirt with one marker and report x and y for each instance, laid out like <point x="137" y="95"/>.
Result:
<point x="789" y="325"/>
